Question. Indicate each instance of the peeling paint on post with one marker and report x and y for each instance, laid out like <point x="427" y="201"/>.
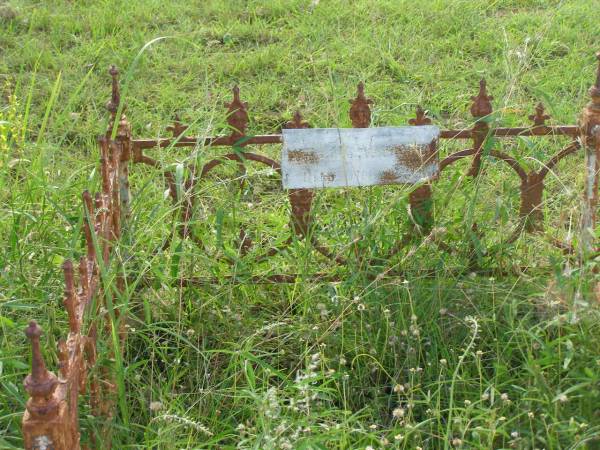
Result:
<point x="341" y="157"/>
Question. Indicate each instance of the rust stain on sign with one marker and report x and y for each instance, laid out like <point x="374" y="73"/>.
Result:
<point x="339" y="157"/>
<point x="388" y="177"/>
<point x="414" y="157"/>
<point x="303" y="156"/>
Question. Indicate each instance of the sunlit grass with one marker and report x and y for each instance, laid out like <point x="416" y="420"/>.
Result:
<point x="447" y="360"/>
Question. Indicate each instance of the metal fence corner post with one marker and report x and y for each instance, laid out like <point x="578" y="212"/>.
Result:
<point x="47" y="420"/>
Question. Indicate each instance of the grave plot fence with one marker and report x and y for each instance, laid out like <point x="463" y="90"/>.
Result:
<point x="51" y="418"/>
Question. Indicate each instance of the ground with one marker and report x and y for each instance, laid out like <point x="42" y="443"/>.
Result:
<point x="509" y="359"/>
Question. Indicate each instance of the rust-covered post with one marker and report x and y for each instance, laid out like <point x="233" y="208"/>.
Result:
<point x="360" y="116"/>
<point x="237" y="116"/>
<point x="123" y="142"/>
<point x="46" y="423"/>
<point x="530" y="212"/>
<point x="480" y="109"/>
<point x="237" y="119"/>
<point x="420" y="199"/>
<point x="590" y="130"/>
<point x="532" y="186"/>
<point x="300" y="199"/>
<point x="360" y="111"/>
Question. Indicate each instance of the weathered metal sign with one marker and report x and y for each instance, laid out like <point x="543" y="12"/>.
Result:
<point x="339" y="157"/>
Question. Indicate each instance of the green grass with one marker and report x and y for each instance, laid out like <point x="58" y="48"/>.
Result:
<point x="455" y="359"/>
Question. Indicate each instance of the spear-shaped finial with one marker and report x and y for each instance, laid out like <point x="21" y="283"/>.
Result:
<point x="237" y="115"/>
<point x="113" y="104"/>
<point x="360" y="111"/>
<point x="421" y="117"/>
<point x="297" y="121"/>
<point x="481" y="105"/>
<point x="540" y="116"/>
<point x="41" y="383"/>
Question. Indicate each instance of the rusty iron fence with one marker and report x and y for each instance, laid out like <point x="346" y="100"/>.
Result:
<point x="51" y="417"/>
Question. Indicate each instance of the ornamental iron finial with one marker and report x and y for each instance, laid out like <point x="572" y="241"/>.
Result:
<point x="237" y="115"/>
<point x="421" y="117"/>
<point x="297" y="121"/>
<point x="481" y="105"/>
<point x="360" y="112"/>
<point x="540" y="116"/>
<point x="41" y="383"/>
<point x="113" y="104"/>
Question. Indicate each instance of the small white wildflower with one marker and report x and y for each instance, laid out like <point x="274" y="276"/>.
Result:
<point x="456" y="442"/>
<point x="413" y="318"/>
<point x="443" y="361"/>
<point x="443" y="311"/>
<point x="156" y="406"/>
<point x="530" y="415"/>
<point x="485" y="396"/>
<point x="479" y="353"/>
<point x="398" y="437"/>
<point x="467" y="402"/>
<point x="563" y="398"/>
<point x="398" y="388"/>
<point x="373" y="426"/>
<point x="504" y="397"/>
<point x="398" y="413"/>
<point x="361" y="307"/>
<point x="514" y="434"/>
